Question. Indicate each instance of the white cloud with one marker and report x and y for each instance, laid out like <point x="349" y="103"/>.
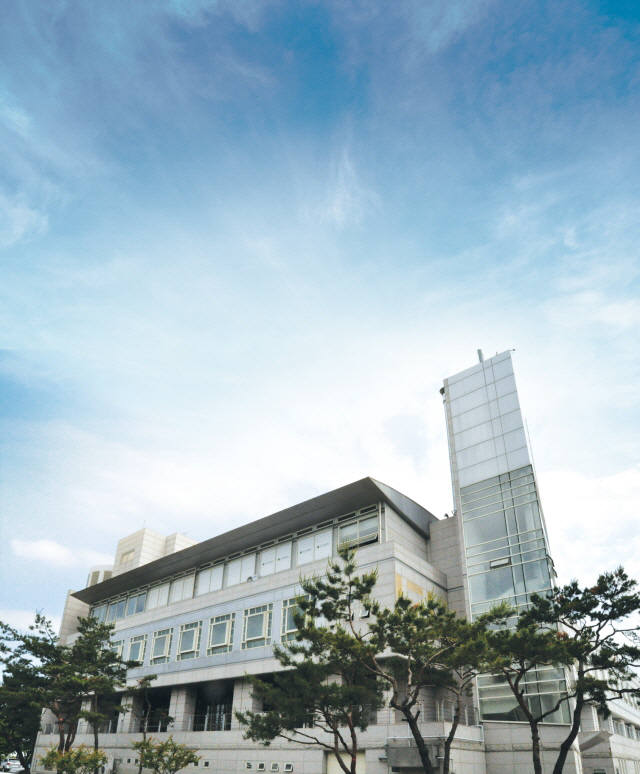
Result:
<point x="22" y="619"/>
<point x="592" y="521"/>
<point x="19" y="220"/>
<point x="348" y="199"/>
<point x="51" y="552"/>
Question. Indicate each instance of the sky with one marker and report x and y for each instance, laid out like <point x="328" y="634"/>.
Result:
<point x="243" y="242"/>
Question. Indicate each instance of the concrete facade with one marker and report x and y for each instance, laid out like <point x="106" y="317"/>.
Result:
<point x="203" y="617"/>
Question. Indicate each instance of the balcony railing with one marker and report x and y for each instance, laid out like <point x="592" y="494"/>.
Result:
<point x="220" y="717"/>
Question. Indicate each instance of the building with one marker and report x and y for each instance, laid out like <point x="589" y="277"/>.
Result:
<point x="202" y="617"/>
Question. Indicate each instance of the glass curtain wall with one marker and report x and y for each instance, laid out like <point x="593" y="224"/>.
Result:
<point x="507" y="560"/>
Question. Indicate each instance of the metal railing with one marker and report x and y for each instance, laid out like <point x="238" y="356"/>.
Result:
<point x="220" y="718"/>
<point x="431" y="712"/>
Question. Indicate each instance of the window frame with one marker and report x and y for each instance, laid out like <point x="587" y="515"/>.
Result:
<point x="139" y="638"/>
<point x="212" y="572"/>
<point x="227" y="646"/>
<point x="194" y="652"/>
<point x="166" y="655"/>
<point x="154" y="590"/>
<point x="361" y="538"/>
<point x="266" y="611"/>
<point x="286" y="635"/>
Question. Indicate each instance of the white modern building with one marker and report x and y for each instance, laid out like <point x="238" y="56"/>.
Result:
<point x="202" y="617"/>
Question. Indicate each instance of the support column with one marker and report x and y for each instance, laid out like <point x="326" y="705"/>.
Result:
<point x="243" y="700"/>
<point x="182" y="707"/>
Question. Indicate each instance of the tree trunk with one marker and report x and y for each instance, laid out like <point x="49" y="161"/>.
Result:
<point x="423" y="752"/>
<point x="95" y="726"/>
<point x="22" y="759"/>
<point x="452" y="732"/>
<point x="61" y="744"/>
<point x="566" y="744"/>
<point x="535" y="748"/>
<point x="145" y="721"/>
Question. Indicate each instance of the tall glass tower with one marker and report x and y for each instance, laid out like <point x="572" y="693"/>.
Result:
<point x="504" y="541"/>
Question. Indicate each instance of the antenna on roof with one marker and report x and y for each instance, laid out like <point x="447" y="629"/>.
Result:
<point x="480" y="356"/>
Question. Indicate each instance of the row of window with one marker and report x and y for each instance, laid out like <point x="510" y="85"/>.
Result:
<point x="256" y="631"/>
<point x="308" y="548"/>
<point x="626" y="729"/>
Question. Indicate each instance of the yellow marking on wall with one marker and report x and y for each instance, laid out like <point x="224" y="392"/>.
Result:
<point x="414" y="588"/>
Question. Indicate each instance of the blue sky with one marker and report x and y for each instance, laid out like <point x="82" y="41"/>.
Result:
<point x="242" y="243"/>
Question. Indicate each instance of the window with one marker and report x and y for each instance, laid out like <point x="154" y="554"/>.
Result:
<point x="161" y="646"/>
<point x="189" y="642"/>
<point x="116" y="610"/>
<point x="359" y="532"/>
<point x="240" y="570"/>
<point x="275" y="559"/>
<point x="137" y="647"/>
<point x="289" y="628"/>
<point x="135" y="603"/>
<point x="494" y="584"/>
<point x="117" y="647"/>
<point x="127" y="556"/>
<point x="315" y="546"/>
<point x="257" y="626"/>
<point x="158" y="596"/>
<point x="99" y="612"/>
<point x="209" y="580"/>
<point x="221" y="634"/>
<point x="181" y="588"/>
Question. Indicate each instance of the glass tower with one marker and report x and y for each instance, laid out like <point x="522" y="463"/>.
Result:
<point x="505" y="546"/>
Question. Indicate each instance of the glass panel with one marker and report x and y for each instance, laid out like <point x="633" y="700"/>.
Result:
<point x="528" y="517"/>
<point x="247" y="567"/>
<point x="175" y="595"/>
<point x="158" y="596"/>
<point x="219" y="633"/>
<point x="485" y="529"/>
<point x="203" y="580"/>
<point x="368" y="527"/>
<point x="131" y="605"/>
<point x="536" y="575"/>
<point x="141" y="600"/>
<point x="305" y="549"/>
<point x="491" y="585"/>
<point x="290" y="619"/>
<point x="283" y="556"/>
<point x="233" y="572"/>
<point x="322" y="544"/>
<point x="267" y="561"/>
<point x="160" y="646"/>
<point x="255" y="626"/>
<point x="348" y="533"/>
<point x="188" y="640"/>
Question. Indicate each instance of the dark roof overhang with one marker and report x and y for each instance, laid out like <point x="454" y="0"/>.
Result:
<point x="326" y="506"/>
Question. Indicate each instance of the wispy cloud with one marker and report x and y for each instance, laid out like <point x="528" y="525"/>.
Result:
<point x="348" y="200"/>
<point x="19" y="220"/>
<point x="22" y="619"/>
<point x="54" y="553"/>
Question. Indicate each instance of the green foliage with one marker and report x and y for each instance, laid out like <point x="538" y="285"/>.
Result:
<point x="20" y="709"/>
<point x="425" y="645"/>
<point x="339" y="665"/>
<point x="81" y="760"/>
<point x="327" y="693"/>
<point x="586" y="629"/>
<point x="165" y="757"/>
<point x="60" y="677"/>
